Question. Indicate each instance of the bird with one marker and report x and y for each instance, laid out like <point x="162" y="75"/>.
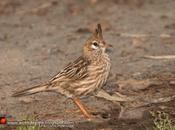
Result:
<point x="85" y="75"/>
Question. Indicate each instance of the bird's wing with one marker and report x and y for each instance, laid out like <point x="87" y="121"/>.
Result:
<point x="73" y="71"/>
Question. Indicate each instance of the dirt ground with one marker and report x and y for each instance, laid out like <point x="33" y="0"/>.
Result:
<point x="39" y="37"/>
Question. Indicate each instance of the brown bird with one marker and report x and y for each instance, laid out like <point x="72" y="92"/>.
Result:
<point x="83" y="76"/>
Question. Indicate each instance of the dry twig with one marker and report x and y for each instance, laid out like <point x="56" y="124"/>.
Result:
<point x="144" y="35"/>
<point x="160" y="57"/>
<point x="115" y="97"/>
<point x="40" y="10"/>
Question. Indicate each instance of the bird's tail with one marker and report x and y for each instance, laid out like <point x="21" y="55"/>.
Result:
<point x="32" y="90"/>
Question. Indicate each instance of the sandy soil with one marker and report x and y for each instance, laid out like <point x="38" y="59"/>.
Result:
<point x="38" y="38"/>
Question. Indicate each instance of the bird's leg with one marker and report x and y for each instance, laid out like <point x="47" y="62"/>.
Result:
<point x="81" y="107"/>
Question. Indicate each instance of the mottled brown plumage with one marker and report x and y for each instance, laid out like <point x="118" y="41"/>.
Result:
<point x="83" y="76"/>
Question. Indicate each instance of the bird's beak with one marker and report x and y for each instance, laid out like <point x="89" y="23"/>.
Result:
<point x="108" y="47"/>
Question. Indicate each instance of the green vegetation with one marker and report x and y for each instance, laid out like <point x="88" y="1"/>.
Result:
<point x="162" y="121"/>
<point x="28" y="127"/>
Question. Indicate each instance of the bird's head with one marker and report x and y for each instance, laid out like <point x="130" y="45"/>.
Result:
<point x="96" y="46"/>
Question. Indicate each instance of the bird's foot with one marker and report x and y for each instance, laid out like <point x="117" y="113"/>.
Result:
<point x="90" y="116"/>
<point x="93" y="113"/>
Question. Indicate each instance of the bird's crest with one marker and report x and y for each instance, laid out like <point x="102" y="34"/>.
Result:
<point x="98" y="32"/>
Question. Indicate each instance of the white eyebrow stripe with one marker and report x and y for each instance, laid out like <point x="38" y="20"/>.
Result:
<point x="94" y="41"/>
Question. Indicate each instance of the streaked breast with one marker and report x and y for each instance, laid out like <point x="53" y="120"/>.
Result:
<point x="98" y="74"/>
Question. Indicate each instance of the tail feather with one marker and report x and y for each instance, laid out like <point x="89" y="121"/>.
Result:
<point x="29" y="91"/>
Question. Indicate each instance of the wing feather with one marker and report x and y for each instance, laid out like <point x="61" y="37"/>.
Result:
<point x="73" y="71"/>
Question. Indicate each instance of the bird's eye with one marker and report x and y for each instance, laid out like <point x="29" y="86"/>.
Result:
<point x="95" y="45"/>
